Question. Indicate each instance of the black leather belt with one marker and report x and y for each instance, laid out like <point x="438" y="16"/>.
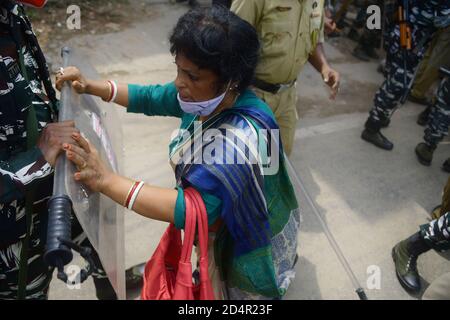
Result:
<point x="270" y="87"/>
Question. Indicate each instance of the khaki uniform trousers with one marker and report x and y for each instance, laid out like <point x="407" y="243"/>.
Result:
<point x="436" y="56"/>
<point x="284" y="107"/>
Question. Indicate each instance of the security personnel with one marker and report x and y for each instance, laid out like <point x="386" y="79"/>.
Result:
<point x="424" y="20"/>
<point x="30" y="142"/>
<point x="291" y="34"/>
<point x="437" y="124"/>
<point x="434" y="235"/>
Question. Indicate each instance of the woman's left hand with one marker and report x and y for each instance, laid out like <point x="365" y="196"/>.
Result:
<point x="92" y="171"/>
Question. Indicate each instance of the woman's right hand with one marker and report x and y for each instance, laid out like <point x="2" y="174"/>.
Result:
<point x="79" y="82"/>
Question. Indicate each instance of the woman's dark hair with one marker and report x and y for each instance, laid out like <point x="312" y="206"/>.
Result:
<point x="218" y="40"/>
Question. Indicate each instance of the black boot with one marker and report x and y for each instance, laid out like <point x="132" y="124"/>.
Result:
<point x="384" y="123"/>
<point x="424" y="153"/>
<point x="446" y="165"/>
<point x="405" y="255"/>
<point x="422" y="119"/>
<point x="373" y="135"/>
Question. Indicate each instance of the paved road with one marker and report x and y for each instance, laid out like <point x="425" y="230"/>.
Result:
<point x="369" y="198"/>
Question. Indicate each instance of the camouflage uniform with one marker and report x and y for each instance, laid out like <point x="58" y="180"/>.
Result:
<point x="439" y="118"/>
<point x="23" y="169"/>
<point x="422" y="15"/>
<point x="437" y="233"/>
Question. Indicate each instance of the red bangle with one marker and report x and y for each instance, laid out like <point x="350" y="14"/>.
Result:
<point x="130" y="194"/>
<point x="112" y="91"/>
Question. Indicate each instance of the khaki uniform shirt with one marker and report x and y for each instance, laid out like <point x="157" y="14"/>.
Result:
<point x="289" y="31"/>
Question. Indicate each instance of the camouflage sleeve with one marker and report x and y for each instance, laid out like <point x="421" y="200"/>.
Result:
<point x="20" y="172"/>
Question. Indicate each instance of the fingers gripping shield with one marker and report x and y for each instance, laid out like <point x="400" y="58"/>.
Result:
<point x="101" y="218"/>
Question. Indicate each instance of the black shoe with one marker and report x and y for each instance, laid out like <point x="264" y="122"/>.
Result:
<point x="377" y="139"/>
<point x="134" y="276"/>
<point x="424" y="153"/>
<point x="422" y="119"/>
<point x="360" y="54"/>
<point x="446" y="165"/>
<point x="405" y="255"/>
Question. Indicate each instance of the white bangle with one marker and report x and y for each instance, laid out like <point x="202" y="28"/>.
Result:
<point x="115" y="91"/>
<point x="135" y="194"/>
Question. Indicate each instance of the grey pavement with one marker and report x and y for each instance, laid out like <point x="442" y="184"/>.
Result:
<point x="370" y="198"/>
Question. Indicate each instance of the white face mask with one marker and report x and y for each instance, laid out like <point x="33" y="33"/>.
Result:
<point x="202" y="108"/>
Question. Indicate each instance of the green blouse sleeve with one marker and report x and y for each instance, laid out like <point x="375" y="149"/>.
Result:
<point x="154" y="100"/>
<point x="213" y="207"/>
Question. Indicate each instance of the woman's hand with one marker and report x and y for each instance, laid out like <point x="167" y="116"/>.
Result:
<point x="332" y="78"/>
<point x="92" y="171"/>
<point x="79" y="83"/>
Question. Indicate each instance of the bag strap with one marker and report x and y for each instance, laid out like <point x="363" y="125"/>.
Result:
<point x="202" y="224"/>
<point x="189" y="230"/>
<point x="195" y="208"/>
<point x="206" y="289"/>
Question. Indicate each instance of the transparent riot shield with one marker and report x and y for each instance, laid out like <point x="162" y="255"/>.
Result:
<point x="101" y="218"/>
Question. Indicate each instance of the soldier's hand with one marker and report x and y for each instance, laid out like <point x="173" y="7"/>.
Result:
<point x="332" y="78"/>
<point x="79" y="82"/>
<point x="53" y="137"/>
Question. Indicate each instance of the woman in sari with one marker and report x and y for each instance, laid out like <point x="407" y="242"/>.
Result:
<point x="227" y="149"/>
